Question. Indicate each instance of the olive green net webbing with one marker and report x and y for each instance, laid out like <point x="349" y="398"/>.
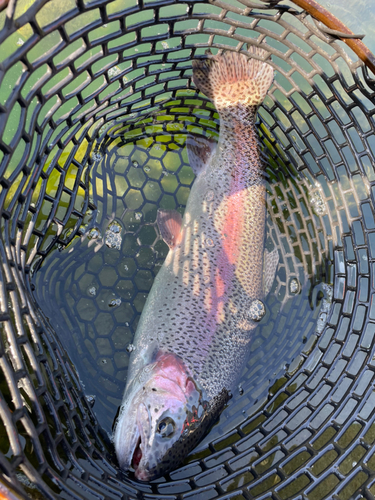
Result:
<point x="96" y="103"/>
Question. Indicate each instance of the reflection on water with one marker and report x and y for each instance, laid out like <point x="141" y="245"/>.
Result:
<point x="351" y="13"/>
<point x="93" y="290"/>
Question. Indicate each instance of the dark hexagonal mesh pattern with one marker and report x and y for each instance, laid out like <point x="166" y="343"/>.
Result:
<point x="96" y="101"/>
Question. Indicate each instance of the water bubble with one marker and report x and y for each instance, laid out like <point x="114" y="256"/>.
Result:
<point x="115" y="302"/>
<point x="321" y="323"/>
<point x="113" y="240"/>
<point x="114" y="228"/>
<point x="104" y="361"/>
<point x="126" y="324"/>
<point x="294" y="286"/>
<point x="92" y="291"/>
<point x="165" y="45"/>
<point x="94" y="234"/>
<point x="317" y="202"/>
<point x="113" y="237"/>
<point x="257" y="310"/>
<point x="91" y="400"/>
<point x="138" y="215"/>
<point x="328" y="290"/>
<point x="157" y="147"/>
<point x="135" y="164"/>
<point x="210" y="242"/>
<point x="130" y="348"/>
<point x="240" y="389"/>
<point x="126" y="268"/>
<point x="96" y="156"/>
<point x="324" y="308"/>
<point x="20" y="42"/>
<point x="147" y="169"/>
<point x="114" y="71"/>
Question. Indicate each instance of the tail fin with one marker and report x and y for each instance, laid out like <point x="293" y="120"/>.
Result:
<point x="232" y="78"/>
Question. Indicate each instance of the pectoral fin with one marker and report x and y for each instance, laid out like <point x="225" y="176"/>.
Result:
<point x="170" y="223"/>
<point x="200" y="150"/>
<point x="271" y="261"/>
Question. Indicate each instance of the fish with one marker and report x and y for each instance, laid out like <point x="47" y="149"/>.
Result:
<point x="193" y="337"/>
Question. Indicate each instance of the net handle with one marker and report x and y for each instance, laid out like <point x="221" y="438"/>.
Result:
<point x="337" y="28"/>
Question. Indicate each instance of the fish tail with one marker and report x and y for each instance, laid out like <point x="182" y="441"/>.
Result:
<point x="231" y="78"/>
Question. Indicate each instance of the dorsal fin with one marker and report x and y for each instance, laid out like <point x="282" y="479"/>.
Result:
<point x="199" y="151"/>
<point x="170" y="223"/>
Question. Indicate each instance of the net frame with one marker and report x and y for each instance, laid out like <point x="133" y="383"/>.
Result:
<point x="63" y="451"/>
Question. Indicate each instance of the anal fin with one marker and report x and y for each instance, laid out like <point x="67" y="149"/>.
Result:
<point x="170" y="223"/>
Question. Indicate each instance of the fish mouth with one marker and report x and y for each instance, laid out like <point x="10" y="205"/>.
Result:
<point x="144" y="429"/>
<point x="126" y="438"/>
<point x="137" y="454"/>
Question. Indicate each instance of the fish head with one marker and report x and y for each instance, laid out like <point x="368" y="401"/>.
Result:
<point x="160" y="405"/>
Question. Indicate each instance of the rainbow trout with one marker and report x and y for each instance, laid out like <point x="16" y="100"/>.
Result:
<point x="193" y="336"/>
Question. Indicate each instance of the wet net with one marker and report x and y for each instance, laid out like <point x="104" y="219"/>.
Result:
<point x="96" y="102"/>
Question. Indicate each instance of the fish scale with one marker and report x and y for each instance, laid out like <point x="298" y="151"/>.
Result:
<point x="197" y="312"/>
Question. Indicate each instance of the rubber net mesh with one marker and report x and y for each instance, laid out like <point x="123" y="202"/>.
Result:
<point x="96" y="102"/>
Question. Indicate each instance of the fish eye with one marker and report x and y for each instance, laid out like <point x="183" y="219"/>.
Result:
<point x="166" y="427"/>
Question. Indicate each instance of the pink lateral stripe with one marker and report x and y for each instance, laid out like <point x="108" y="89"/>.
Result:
<point x="233" y="225"/>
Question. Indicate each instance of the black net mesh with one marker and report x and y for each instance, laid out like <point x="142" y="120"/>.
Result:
<point x="96" y="102"/>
